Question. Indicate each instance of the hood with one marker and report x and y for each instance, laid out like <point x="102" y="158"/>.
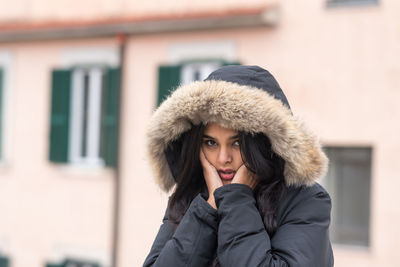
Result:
<point x="244" y="98"/>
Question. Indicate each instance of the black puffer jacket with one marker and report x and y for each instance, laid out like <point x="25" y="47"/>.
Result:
<point x="245" y="98"/>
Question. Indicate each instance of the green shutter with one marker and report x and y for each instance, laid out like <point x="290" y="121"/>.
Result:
<point x="1" y="113"/>
<point x="60" y="112"/>
<point x="225" y="63"/>
<point x="4" y="262"/>
<point x="72" y="262"/>
<point x="169" y="77"/>
<point x="110" y="117"/>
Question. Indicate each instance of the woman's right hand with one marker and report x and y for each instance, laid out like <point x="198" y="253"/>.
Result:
<point x="212" y="178"/>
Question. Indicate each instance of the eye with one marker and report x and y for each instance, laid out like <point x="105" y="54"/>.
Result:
<point x="236" y="143"/>
<point x="209" y="142"/>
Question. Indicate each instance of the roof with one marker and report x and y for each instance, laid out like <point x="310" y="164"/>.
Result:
<point x="138" y="24"/>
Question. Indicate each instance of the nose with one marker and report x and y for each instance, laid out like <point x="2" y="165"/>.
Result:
<point x="224" y="155"/>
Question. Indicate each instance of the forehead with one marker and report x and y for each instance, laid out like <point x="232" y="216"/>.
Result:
<point x="216" y="130"/>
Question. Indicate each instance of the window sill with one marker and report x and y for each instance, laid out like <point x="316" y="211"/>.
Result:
<point x="352" y="248"/>
<point x="351" y="3"/>
<point x="84" y="169"/>
<point x="4" y="166"/>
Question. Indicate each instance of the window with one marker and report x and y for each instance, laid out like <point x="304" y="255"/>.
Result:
<point x="171" y="76"/>
<point x="74" y="263"/>
<point x="84" y="116"/>
<point x="1" y="111"/>
<point x="197" y="71"/>
<point x="4" y="262"/>
<point x="334" y="3"/>
<point x="6" y="90"/>
<point x="348" y="182"/>
<point x="87" y="91"/>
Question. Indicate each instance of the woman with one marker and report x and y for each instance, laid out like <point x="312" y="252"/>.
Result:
<point x="245" y="170"/>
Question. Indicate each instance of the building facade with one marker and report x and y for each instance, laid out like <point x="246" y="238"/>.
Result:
<point x="80" y="80"/>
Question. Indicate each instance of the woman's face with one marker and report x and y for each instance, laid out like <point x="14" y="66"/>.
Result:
<point x="222" y="149"/>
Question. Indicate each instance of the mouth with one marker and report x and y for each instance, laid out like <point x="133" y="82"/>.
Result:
<point x="226" y="174"/>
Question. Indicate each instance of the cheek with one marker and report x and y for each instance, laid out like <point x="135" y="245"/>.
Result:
<point x="237" y="158"/>
<point x="211" y="155"/>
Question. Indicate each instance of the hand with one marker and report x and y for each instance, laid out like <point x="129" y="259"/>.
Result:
<point x="244" y="176"/>
<point x="212" y="178"/>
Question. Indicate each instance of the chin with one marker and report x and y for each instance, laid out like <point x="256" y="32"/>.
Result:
<point x="225" y="182"/>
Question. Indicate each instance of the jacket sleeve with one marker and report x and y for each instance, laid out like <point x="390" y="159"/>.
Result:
<point x="301" y="239"/>
<point x="192" y="244"/>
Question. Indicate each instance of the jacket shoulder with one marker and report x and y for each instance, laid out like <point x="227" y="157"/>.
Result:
<point x="304" y="201"/>
<point x="298" y="193"/>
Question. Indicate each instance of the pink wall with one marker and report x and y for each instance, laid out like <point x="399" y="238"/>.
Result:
<point x="339" y="68"/>
<point x="49" y="207"/>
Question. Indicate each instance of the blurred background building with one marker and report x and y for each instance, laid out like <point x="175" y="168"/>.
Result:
<point x="78" y="79"/>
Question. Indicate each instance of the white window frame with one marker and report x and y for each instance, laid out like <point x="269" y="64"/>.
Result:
<point x="79" y="59"/>
<point x="6" y="63"/>
<point x="93" y="118"/>
<point x="204" y="68"/>
<point x="4" y="246"/>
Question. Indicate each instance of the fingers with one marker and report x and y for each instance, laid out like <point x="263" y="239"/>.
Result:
<point x="211" y="177"/>
<point x="207" y="167"/>
<point x="203" y="160"/>
<point x="244" y="176"/>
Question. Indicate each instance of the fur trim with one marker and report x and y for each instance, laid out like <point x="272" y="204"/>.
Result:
<point x="239" y="107"/>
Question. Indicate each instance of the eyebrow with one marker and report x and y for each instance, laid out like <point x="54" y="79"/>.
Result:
<point x="230" y="138"/>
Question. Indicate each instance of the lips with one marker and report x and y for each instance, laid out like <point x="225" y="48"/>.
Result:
<point x="226" y="174"/>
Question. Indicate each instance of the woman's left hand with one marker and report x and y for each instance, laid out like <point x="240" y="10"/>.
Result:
<point x="244" y="176"/>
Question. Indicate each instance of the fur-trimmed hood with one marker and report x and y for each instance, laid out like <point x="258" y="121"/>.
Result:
<point x="245" y="98"/>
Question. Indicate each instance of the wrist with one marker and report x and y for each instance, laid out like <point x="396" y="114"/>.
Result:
<point x="211" y="201"/>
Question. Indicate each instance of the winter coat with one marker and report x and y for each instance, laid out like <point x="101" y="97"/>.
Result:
<point x="245" y="98"/>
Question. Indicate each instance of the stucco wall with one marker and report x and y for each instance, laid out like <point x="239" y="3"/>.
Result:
<point x="339" y="68"/>
<point x="48" y="210"/>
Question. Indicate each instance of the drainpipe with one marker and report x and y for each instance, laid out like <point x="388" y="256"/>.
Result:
<point x="121" y="39"/>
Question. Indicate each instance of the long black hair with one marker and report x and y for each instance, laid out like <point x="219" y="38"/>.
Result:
<point x="183" y="157"/>
<point x="259" y="158"/>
